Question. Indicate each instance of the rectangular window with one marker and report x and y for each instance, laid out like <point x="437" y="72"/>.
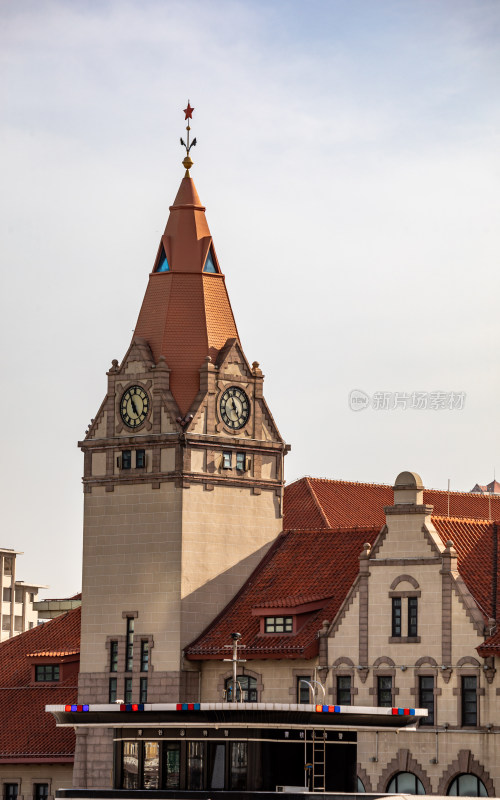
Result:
<point x="195" y="765"/>
<point x="18" y="595"/>
<point x="227" y="459"/>
<point x="278" y="625"/>
<point x="113" y="656"/>
<point x="240" y="461"/>
<point x="47" y="672"/>
<point x="128" y="690"/>
<point x="396" y="616"/>
<point x="8" y="571"/>
<point x="172" y="765"/>
<point x="130" y="765"/>
<point x="469" y="700"/>
<point x="32" y="600"/>
<point x="144" y="655"/>
<point x="7" y="596"/>
<point x="303" y="690"/>
<point x="129" y="661"/>
<point x="10" y="791"/>
<point x="126" y="459"/>
<point x="344" y="690"/>
<point x="144" y="691"/>
<point x="112" y="690"/>
<point x="384" y="691"/>
<point x="40" y="791"/>
<point x="426" y="698"/>
<point x="151" y="765"/>
<point x="239" y="765"/>
<point x="140" y="459"/>
<point x="412" y="616"/>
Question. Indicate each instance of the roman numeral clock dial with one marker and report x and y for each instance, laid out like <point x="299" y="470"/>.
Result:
<point x="234" y="408"/>
<point x="134" y="406"/>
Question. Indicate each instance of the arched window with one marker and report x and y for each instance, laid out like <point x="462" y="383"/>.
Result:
<point x="467" y="784"/>
<point x="246" y="686"/>
<point x="405" y="783"/>
<point x="361" y="785"/>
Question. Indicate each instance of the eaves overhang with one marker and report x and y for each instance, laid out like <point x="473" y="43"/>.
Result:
<point x="248" y="714"/>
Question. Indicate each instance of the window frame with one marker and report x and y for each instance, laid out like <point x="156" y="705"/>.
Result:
<point x="412" y="617"/>
<point x="51" y="669"/>
<point x="113" y="655"/>
<point x="397" y="618"/>
<point x="469" y="693"/>
<point x="339" y="690"/>
<point x="129" y="644"/>
<point x="288" y="624"/>
<point x="144" y="665"/>
<point x="227" y="459"/>
<point x="140" y="458"/>
<point x="6" y="794"/>
<point x="379" y="690"/>
<point x="126" y="460"/>
<point x="303" y="688"/>
<point x="430" y="719"/>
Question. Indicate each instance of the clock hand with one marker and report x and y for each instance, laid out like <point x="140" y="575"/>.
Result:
<point x="134" y="406"/>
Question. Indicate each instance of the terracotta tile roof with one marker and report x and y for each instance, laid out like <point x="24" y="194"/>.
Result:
<point x="53" y="653"/>
<point x="491" y="646"/>
<point x="26" y="730"/>
<point x="300" y="564"/>
<point x="319" y="502"/>
<point x="475" y="542"/>
<point x="186" y="314"/>
<point x="315" y="562"/>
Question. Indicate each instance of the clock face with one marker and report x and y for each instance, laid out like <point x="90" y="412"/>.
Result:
<point x="234" y="408"/>
<point x="134" y="406"/>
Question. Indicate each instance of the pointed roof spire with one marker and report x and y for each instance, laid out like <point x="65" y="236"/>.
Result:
<point x="186" y="314"/>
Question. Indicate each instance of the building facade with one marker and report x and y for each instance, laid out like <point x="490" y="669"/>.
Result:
<point x="17" y="611"/>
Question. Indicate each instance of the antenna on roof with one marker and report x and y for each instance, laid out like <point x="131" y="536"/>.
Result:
<point x="448" y="497"/>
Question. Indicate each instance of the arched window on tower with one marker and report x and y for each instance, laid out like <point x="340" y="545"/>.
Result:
<point x="246" y="687"/>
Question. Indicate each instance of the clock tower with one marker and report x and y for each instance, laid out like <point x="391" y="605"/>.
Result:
<point x="183" y="476"/>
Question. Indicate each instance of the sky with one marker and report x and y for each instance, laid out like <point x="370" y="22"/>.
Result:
<point x="348" y="156"/>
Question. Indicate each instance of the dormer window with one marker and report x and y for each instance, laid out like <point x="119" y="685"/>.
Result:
<point x="163" y="265"/>
<point x="46" y="673"/>
<point x="210" y="262"/>
<point x="278" y="625"/>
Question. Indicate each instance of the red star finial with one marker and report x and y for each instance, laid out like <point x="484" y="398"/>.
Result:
<point x="188" y="112"/>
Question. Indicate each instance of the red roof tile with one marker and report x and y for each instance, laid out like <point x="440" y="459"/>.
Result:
<point x="315" y="562"/>
<point x="319" y="502"/>
<point x="306" y="564"/>
<point x="26" y="730"/>
<point x="475" y="542"/>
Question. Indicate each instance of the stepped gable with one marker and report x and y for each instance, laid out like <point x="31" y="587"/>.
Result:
<point x="186" y="314"/>
<point x="314" y="567"/>
<point x="345" y="503"/>
<point x="26" y="730"/>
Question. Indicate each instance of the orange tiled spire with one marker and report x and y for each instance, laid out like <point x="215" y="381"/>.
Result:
<point x="186" y="314"/>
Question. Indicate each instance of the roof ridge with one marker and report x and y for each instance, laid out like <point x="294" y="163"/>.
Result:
<point x="463" y="519"/>
<point x="317" y="503"/>
<point x="495" y="497"/>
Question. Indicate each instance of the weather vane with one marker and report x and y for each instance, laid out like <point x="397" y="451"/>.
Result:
<point x="188" y="161"/>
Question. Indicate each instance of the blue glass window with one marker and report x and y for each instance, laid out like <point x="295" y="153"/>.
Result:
<point x="163" y="263"/>
<point x="210" y="263"/>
